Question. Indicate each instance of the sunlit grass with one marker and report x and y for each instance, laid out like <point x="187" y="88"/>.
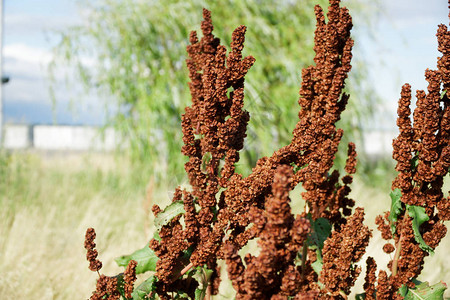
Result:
<point x="48" y="201"/>
<point x="47" y="204"/>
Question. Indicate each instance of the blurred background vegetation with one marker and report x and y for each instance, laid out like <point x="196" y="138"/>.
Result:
<point x="132" y="55"/>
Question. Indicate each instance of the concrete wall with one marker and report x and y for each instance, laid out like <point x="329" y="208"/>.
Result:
<point x="85" y="138"/>
<point x="59" y="138"/>
<point x="379" y="143"/>
<point x="17" y="136"/>
<point x="78" y="138"/>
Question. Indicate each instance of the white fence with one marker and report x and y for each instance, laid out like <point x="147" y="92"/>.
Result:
<point x="59" y="138"/>
<point x="378" y="143"/>
<point x="17" y="136"/>
<point x="86" y="138"/>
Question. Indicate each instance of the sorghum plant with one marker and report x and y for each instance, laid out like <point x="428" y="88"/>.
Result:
<point x="311" y="255"/>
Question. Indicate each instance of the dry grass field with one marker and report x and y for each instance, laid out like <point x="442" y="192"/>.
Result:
<point x="48" y="200"/>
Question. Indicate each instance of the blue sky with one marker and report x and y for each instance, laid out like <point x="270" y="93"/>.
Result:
<point x="29" y="35"/>
<point x="404" y="46"/>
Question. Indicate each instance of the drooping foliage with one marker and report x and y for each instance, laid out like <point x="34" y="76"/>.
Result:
<point x="133" y="53"/>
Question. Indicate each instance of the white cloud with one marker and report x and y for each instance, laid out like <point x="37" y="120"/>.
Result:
<point x="23" y="24"/>
<point x="407" y="14"/>
<point x="29" y="85"/>
<point x="26" y="61"/>
<point x="25" y="66"/>
<point x="27" y="54"/>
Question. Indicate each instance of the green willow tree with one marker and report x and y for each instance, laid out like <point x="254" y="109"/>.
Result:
<point x="138" y="49"/>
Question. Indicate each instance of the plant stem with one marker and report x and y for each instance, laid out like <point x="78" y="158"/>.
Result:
<point x="398" y="249"/>
<point x="207" y="281"/>
<point x="185" y="269"/>
<point x="208" y="291"/>
<point x="182" y="272"/>
<point x="304" y="254"/>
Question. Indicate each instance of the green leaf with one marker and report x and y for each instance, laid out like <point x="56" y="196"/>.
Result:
<point x="360" y="296"/>
<point x="297" y="168"/>
<point x="403" y="290"/>
<point x="419" y="216"/>
<point x="203" y="276"/>
<point x="181" y="295"/>
<point x="415" y="161"/>
<point x="424" y="291"/>
<point x="396" y="208"/>
<point x="156" y="236"/>
<point x="317" y="265"/>
<point x="145" y="288"/>
<point x="320" y="231"/>
<point x="146" y="260"/>
<point x="200" y="294"/>
<point x="174" y="209"/>
<point x="187" y="254"/>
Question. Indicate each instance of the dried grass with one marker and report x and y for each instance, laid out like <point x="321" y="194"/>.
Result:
<point x="47" y="202"/>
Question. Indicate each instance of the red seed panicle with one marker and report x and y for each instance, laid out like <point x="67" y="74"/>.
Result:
<point x="129" y="277"/>
<point x="311" y="255"/>
<point x="94" y="264"/>
<point x="213" y="132"/>
<point x="382" y="221"/>
<point x="341" y="251"/>
<point x="370" y="279"/>
<point x="234" y="209"/>
<point x="422" y="152"/>
<point x="106" y="288"/>
<point x="388" y="248"/>
<point x="272" y="273"/>
<point x="350" y="165"/>
<point x="101" y="288"/>
<point x="385" y="291"/>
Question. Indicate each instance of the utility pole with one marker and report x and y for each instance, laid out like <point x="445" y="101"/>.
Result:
<point x="1" y="73"/>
